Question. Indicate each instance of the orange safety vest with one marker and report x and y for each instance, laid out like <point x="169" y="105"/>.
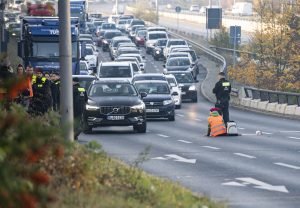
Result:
<point x="217" y="126"/>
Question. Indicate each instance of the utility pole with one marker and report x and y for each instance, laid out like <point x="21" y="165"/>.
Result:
<point x="234" y="47"/>
<point x="2" y="25"/>
<point x="65" y="53"/>
<point x="117" y="7"/>
<point x="156" y="7"/>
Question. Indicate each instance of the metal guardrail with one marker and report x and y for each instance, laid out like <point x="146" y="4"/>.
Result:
<point x="273" y="96"/>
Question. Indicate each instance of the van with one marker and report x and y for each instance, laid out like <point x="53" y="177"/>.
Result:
<point x="242" y="9"/>
<point x="194" y="8"/>
<point x="151" y="38"/>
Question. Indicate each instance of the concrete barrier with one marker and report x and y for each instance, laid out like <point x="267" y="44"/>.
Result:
<point x="271" y="107"/>
<point x="262" y="105"/>
<point x="290" y="110"/>
<point x="254" y="103"/>
<point x="280" y="108"/>
<point x="297" y="111"/>
<point x="246" y="102"/>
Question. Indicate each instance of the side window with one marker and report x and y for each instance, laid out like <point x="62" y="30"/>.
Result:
<point x="135" y="67"/>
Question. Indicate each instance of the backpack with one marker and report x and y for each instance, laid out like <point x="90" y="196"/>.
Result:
<point x="232" y="128"/>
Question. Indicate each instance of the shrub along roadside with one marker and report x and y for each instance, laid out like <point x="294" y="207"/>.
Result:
<point x="37" y="168"/>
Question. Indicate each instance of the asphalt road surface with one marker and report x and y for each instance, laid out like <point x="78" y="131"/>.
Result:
<point x="250" y="170"/>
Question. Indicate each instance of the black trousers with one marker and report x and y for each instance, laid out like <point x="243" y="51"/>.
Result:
<point x="224" y="106"/>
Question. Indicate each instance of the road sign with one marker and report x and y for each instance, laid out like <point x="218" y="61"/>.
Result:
<point x="176" y="158"/>
<point x="235" y="34"/>
<point x="178" y="9"/>
<point x="213" y="18"/>
<point x="242" y="182"/>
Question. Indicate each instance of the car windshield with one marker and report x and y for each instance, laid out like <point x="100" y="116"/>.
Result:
<point x="153" y="88"/>
<point x="126" y="51"/>
<point x="171" y="80"/>
<point x="17" y="25"/>
<point x="115" y="43"/>
<point x="138" y="22"/>
<point x="89" y="51"/>
<point x="162" y="42"/>
<point x="115" y="71"/>
<point x="178" y="55"/>
<point x="178" y="62"/>
<point x="184" y="77"/>
<point x="49" y="49"/>
<point x="112" y="89"/>
<point x="176" y="42"/>
<point x="142" y="33"/>
<point x="110" y="35"/>
<point x="157" y="36"/>
<point x="108" y="26"/>
<point x="122" y="22"/>
<point x="85" y="83"/>
<point x="97" y="24"/>
<point x="83" y="67"/>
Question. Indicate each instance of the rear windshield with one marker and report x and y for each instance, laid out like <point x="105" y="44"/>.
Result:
<point x="141" y="78"/>
<point x="176" y="42"/>
<point x="162" y="42"/>
<point x="171" y="81"/>
<point x="178" y="62"/>
<point x="184" y="77"/>
<point x="108" y="26"/>
<point x="122" y="22"/>
<point x="157" y="36"/>
<point x="89" y="51"/>
<point x="110" y="35"/>
<point x="115" y="71"/>
<point x="138" y="22"/>
<point x="115" y="44"/>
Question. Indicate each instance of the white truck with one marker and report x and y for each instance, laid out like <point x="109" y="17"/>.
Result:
<point x="242" y="9"/>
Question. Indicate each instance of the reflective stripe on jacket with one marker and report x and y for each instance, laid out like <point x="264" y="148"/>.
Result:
<point x="217" y="125"/>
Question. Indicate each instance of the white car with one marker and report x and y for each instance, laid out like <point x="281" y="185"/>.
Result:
<point x="140" y="58"/>
<point x="91" y="56"/>
<point x="175" y="89"/>
<point x="151" y="38"/>
<point x="172" y="42"/>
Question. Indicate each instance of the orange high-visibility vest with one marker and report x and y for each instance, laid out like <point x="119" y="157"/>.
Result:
<point x="217" y="126"/>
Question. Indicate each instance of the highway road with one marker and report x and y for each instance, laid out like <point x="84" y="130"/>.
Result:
<point x="245" y="171"/>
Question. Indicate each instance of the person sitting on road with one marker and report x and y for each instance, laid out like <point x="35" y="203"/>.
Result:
<point x="216" y="125"/>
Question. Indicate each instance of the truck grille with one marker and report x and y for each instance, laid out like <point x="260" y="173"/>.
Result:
<point x="115" y="110"/>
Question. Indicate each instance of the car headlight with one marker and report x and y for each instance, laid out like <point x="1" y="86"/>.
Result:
<point x="105" y="42"/>
<point x="140" y="107"/>
<point x="192" y="88"/>
<point x="167" y="102"/>
<point x="91" y="107"/>
<point x="157" y="52"/>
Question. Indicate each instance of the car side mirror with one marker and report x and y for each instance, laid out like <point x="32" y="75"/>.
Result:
<point x="97" y="50"/>
<point x="143" y="57"/>
<point x="164" y="65"/>
<point x="174" y="93"/>
<point x="193" y="64"/>
<point x="143" y="94"/>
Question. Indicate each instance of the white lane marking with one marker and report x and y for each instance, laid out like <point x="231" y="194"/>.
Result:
<point x="184" y="141"/>
<point x="289" y="131"/>
<point x="297" y="138"/>
<point x="197" y="119"/>
<point x="241" y="128"/>
<point x="288" y="165"/>
<point x="263" y="132"/>
<point x="256" y="184"/>
<point x="248" y="134"/>
<point x="244" y="155"/>
<point x="211" y="147"/>
<point x="180" y="115"/>
<point x="162" y="135"/>
<point x="176" y="158"/>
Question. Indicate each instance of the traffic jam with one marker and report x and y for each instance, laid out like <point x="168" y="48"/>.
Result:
<point x="123" y="91"/>
<point x="112" y="57"/>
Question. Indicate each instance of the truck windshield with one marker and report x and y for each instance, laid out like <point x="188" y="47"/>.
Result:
<point x="49" y="49"/>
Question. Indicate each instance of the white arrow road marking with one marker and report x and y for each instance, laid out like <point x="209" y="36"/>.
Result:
<point x="210" y="147"/>
<point x="184" y="141"/>
<point x="297" y="138"/>
<point x="244" y="155"/>
<point x="176" y="158"/>
<point x="288" y="165"/>
<point x="182" y="159"/>
<point x="162" y="135"/>
<point x="262" y="185"/>
<point x="258" y="184"/>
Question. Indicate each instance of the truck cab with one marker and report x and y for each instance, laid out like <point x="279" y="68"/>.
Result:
<point x="39" y="43"/>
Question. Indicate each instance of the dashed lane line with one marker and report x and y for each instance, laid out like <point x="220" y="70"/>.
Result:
<point x="245" y="155"/>
<point x="241" y="128"/>
<point x="180" y="115"/>
<point x="162" y="135"/>
<point x="289" y="131"/>
<point x="268" y="133"/>
<point x="197" y="119"/>
<point x="297" y="138"/>
<point x="211" y="147"/>
<point x="184" y="141"/>
<point x="288" y="165"/>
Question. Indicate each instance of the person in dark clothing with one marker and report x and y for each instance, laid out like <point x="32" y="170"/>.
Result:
<point x="79" y="100"/>
<point x="41" y="101"/>
<point x="222" y="91"/>
<point x="55" y="90"/>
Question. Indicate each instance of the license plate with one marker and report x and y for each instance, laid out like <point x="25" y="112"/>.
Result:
<point x="152" y="110"/>
<point x="183" y="93"/>
<point x="115" y="118"/>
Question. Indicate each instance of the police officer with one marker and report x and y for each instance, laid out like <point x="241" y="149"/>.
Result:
<point x="222" y="91"/>
<point x="55" y="90"/>
<point x="79" y="100"/>
<point x="41" y="101"/>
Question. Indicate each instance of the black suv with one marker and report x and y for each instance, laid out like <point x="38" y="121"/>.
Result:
<point x="114" y="103"/>
<point x="159" y="102"/>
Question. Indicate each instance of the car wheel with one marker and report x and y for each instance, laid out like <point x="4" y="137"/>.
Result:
<point x="140" y="128"/>
<point x="147" y="50"/>
<point x="178" y="106"/>
<point x="195" y="100"/>
<point x="86" y="128"/>
<point x="103" y="49"/>
<point x="171" y="118"/>
<point x="155" y="58"/>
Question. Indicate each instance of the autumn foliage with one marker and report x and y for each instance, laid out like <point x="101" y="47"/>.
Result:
<point x="276" y="45"/>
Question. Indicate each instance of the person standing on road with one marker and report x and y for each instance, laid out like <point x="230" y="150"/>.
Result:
<point x="79" y="100"/>
<point x="55" y="90"/>
<point x="222" y="91"/>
